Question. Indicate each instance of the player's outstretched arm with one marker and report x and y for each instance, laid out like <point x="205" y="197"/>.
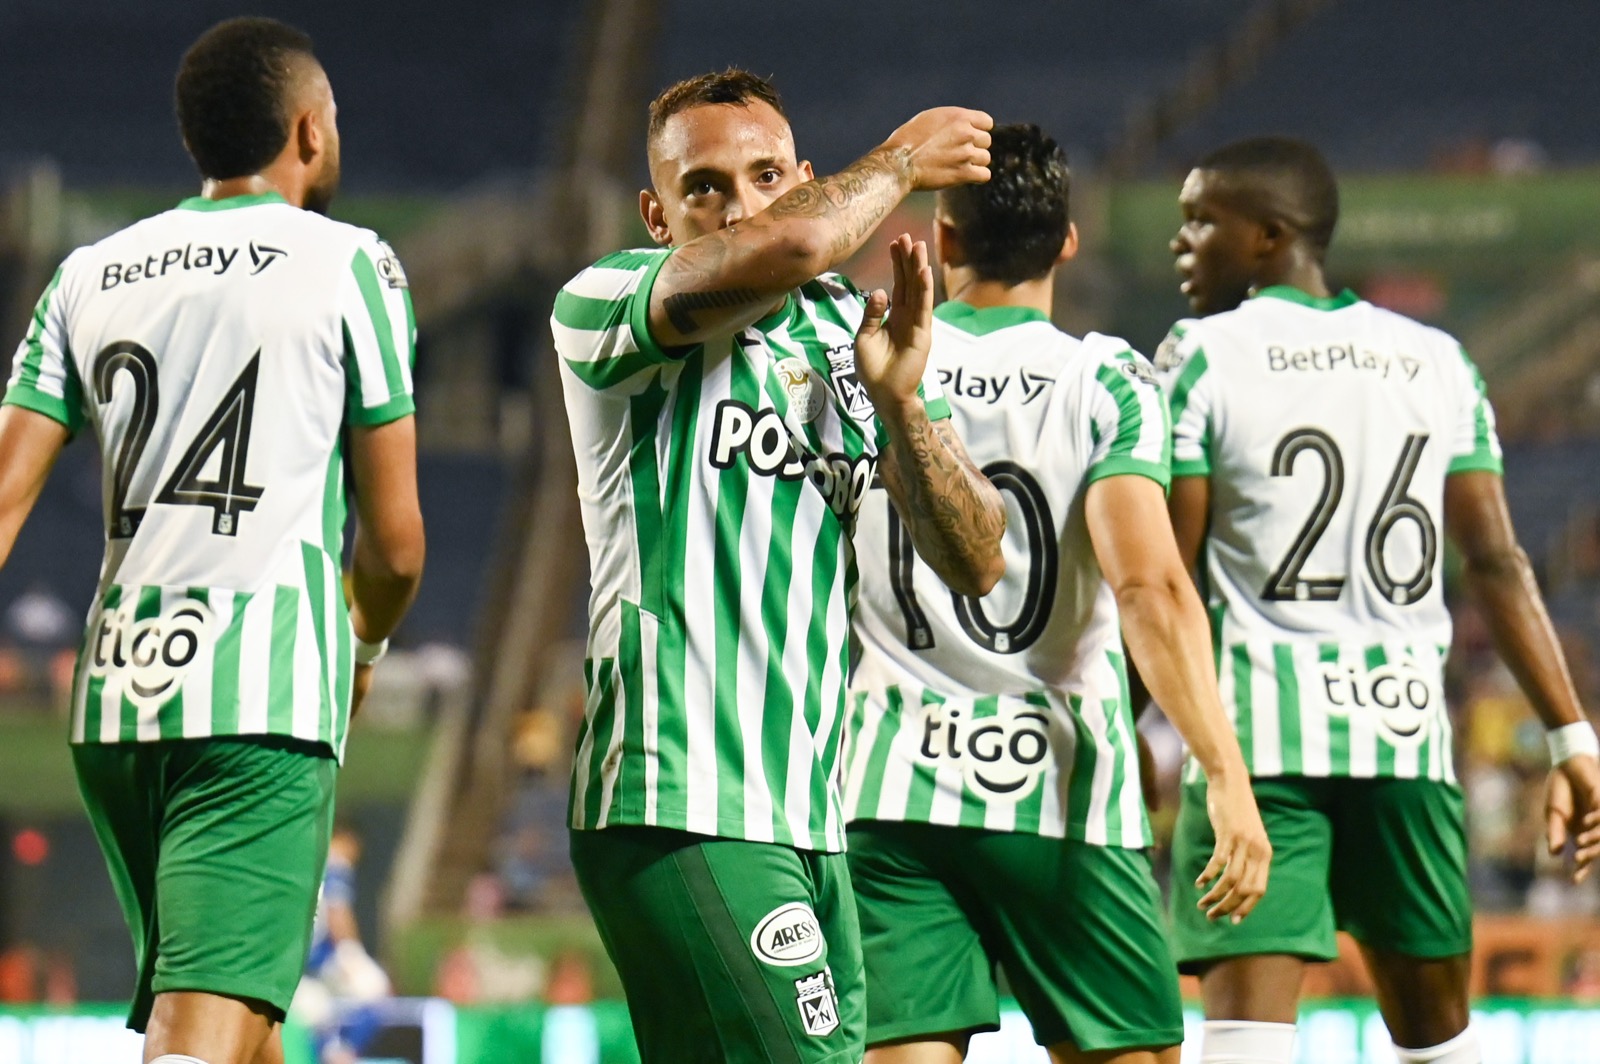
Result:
<point x="1498" y="571"/>
<point x="29" y="444"/>
<point x="726" y="280"/>
<point x="956" y="517"/>
<point x="386" y="566"/>
<point x="1164" y="625"/>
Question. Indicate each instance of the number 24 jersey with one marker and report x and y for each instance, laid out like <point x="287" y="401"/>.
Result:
<point x="1327" y="427"/>
<point x="218" y="350"/>
<point x="1010" y="712"/>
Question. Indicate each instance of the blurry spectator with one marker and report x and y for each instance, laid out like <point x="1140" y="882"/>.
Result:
<point x="38" y="618"/>
<point x="1582" y="982"/>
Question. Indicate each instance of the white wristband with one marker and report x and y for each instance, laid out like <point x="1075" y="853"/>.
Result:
<point x="370" y="653"/>
<point x="1570" y="740"/>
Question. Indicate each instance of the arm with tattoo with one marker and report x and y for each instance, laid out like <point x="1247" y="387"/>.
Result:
<point x="724" y="281"/>
<point x="955" y="516"/>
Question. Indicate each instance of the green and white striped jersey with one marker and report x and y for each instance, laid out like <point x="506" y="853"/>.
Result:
<point x="1010" y="712"/>
<point x="719" y="487"/>
<point x="218" y="350"/>
<point x="1327" y="427"/>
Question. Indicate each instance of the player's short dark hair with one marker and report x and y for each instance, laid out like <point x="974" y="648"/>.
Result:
<point x="729" y="86"/>
<point x="233" y="94"/>
<point x="1012" y="227"/>
<point x="1299" y="177"/>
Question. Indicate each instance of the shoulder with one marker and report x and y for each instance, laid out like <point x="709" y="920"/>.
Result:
<point x="618" y="274"/>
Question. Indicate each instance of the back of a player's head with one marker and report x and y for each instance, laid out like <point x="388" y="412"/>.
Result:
<point x="1011" y="228"/>
<point x="731" y="86"/>
<point x="235" y="92"/>
<point x="1285" y="177"/>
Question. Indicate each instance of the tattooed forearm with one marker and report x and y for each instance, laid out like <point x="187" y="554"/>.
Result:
<point x="681" y="307"/>
<point x="955" y="515"/>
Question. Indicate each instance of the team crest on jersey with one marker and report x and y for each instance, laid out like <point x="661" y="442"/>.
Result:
<point x="152" y="654"/>
<point x="807" y="394"/>
<point x="819" y="1003"/>
<point x="1398" y="696"/>
<point x="842" y="367"/>
<point x="1002" y="757"/>
<point x="788" y="936"/>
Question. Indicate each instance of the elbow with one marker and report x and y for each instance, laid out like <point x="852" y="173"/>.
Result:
<point x="398" y="557"/>
<point x="1505" y="562"/>
<point x="986" y="573"/>
<point x="1140" y="597"/>
<point x="799" y="253"/>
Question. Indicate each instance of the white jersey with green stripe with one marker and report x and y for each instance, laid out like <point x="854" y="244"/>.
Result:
<point x="1010" y="712"/>
<point x="218" y="350"/>
<point x="719" y="486"/>
<point x="1327" y="427"/>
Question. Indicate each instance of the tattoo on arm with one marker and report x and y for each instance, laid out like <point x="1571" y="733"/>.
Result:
<point x="955" y="515"/>
<point x="681" y="306"/>
<point x="704" y="276"/>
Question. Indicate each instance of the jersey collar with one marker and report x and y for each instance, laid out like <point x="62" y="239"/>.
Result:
<point x="1305" y="299"/>
<point x="980" y="321"/>
<point x="200" y="203"/>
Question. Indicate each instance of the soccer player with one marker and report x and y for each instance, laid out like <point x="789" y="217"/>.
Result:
<point x="1322" y="449"/>
<point x="993" y="798"/>
<point x="727" y="423"/>
<point x="234" y="357"/>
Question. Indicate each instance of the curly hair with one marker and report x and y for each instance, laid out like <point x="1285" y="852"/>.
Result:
<point x="1012" y="227"/>
<point x="232" y="94"/>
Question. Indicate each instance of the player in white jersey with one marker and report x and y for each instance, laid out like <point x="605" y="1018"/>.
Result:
<point x="1323" y="448"/>
<point x="727" y="421"/>
<point x="996" y="821"/>
<point x="231" y="356"/>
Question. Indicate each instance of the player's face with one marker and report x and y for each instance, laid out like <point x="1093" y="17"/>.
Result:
<point x="1217" y="248"/>
<point x="325" y="180"/>
<point x="716" y="165"/>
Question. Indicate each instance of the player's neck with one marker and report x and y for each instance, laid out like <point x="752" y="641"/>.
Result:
<point x="967" y="287"/>
<point x="254" y="185"/>
<point x="1299" y="270"/>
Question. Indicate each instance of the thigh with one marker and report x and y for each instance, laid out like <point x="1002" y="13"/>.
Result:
<point x="1077" y="930"/>
<point x="1295" y="916"/>
<point x="927" y="970"/>
<point x="247" y="824"/>
<point x="116" y="782"/>
<point x="1400" y="866"/>
<point x="723" y="948"/>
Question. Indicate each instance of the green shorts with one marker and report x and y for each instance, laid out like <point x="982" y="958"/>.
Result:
<point x="216" y="849"/>
<point x="1076" y="929"/>
<point x="1384" y="859"/>
<point x="729" y="951"/>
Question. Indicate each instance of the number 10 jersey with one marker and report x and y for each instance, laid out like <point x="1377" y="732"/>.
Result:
<point x="218" y="350"/>
<point x="1327" y="427"/>
<point x="1010" y="712"/>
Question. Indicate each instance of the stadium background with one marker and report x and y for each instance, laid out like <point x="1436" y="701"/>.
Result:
<point x="498" y="145"/>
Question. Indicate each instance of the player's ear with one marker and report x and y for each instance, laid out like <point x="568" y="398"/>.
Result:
<point x="806" y="173"/>
<point x="1069" y="246"/>
<point x="655" y="217"/>
<point x="308" y="135"/>
<point x="947" y="243"/>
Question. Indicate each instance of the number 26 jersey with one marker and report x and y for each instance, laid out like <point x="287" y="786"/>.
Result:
<point x="1327" y="427"/>
<point x="1009" y="712"/>
<point x="218" y="350"/>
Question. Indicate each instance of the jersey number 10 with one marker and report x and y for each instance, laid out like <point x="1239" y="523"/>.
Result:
<point x="227" y="430"/>
<point x="1044" y="559"/>
<point x="1287" y="585"/>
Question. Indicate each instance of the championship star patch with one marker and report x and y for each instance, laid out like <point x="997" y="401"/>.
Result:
<point x="819" y="1005"/>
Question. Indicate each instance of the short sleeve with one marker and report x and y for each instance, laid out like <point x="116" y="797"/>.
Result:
<point x="601" y="320"/>
<point x="1474" y="445"/>
<point x="380" y="336"/>
<point x="1128" y="421"/>
<point x="44" y="378"/>
<point x="1182" y="369"/>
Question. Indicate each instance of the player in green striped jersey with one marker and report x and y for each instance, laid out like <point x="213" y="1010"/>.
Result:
<point x="991" y="773"/>
<point x="226" y="353"/>
<point x="727" y="421"/>
<point x="1325" y="575"/>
